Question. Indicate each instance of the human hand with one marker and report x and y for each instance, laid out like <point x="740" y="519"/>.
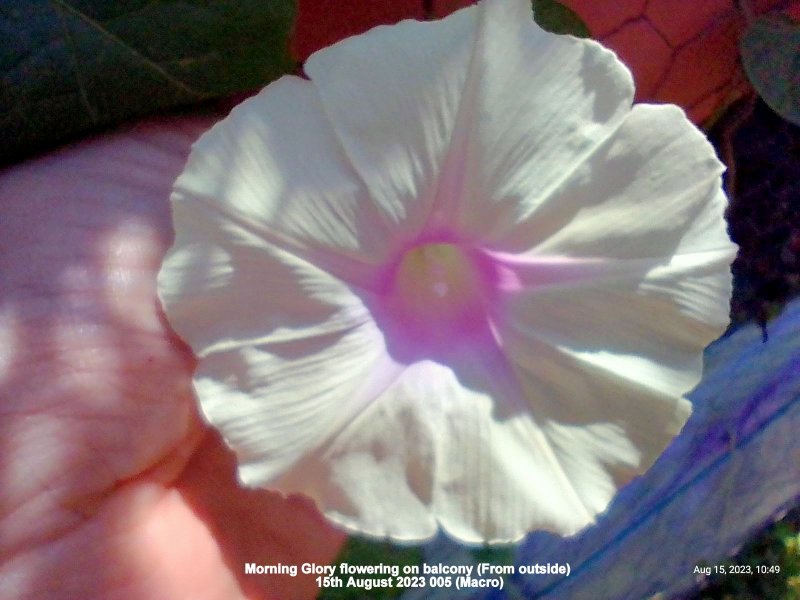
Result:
<point x="111" y="486"/>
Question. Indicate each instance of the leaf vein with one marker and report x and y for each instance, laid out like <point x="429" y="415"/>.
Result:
<point x="129" y="49"/>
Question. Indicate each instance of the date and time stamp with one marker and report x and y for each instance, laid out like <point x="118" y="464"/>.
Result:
<point x="704" y="570"/>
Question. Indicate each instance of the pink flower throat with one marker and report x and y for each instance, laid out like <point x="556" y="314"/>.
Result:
<point x="437" y="294"/>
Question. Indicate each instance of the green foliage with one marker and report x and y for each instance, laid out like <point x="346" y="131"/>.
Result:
<point x="771" y="57"/>
<point x="777" y="549"/>
<point x="553" y="16"/>
<point x="496" y="555"/>
<point x="71" y="66"/>
<point x="359" y="551"/>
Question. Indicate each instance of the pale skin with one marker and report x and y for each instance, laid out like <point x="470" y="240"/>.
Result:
<point x="111" y="485"/>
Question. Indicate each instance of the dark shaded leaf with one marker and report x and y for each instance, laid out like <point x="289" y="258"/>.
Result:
<point x="764" y="213"/>
<point x="554" y="17"/>
<point x="771" y="58"/>
<point x="71" y="66"/>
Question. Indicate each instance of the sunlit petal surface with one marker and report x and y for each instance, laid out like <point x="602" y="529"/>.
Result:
<point x="735" y="466"/>
<point x="451" y="281"/>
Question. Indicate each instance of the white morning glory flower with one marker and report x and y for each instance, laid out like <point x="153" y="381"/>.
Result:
<point x="453" y="280"/>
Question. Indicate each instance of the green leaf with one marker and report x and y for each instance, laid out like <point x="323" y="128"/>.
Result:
<point x="71" y="66"/>
<point x="554" y="17"/>
<point x="771" y="57"/>
<point x="360" y="551"/>
<point x="496" y="555"/>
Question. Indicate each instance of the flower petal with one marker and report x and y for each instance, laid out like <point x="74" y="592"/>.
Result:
<point x="605" y="378"/>
<point x="257" y="229"/>
<point x="484" y="127"/>
<point x="276" y="169"/>
<point x="491" y="108"/>
<point x="430" y="449"/>
<point x="216" y="265"/>
<point x="275" y="402"/>
<point x="653" y="190"/>
<point x="452" y="445"/>
<point x="608" y="322"/>
<point x="535" y="106"/>
<point x="589" y="324"/>
<point x="392" y="96"/>
<point x="657" y="287"/>
<point x="609" y="415"/>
